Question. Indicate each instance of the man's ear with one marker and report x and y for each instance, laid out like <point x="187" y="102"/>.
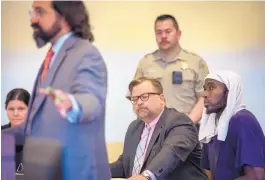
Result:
<point x="162" y="97"/>
<point x="226" y="91"/>
<point x="226" y="95"/>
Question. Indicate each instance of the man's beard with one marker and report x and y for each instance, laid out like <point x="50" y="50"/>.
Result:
<point x="42" y="38"/>
<point x="217" y="107"/>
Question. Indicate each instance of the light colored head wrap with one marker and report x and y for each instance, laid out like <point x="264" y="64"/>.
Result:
<point x="208" y="127"/>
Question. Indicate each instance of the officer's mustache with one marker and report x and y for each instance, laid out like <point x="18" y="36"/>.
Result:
<point x="164" y="41"/>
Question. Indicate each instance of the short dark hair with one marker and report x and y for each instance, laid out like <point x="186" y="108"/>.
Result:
<point x="76" y="15"/>
<point x="18" y="94"/>
<point x="155" y="82"/>
<point x="164" y="17"/>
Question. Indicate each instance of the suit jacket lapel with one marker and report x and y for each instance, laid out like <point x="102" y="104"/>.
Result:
<point x="68" y="44"/>
<point x="155" y="135"/>
<point x="33" y="94"/>
<point x="58" y="61"/>
<point x="137" y="132"/>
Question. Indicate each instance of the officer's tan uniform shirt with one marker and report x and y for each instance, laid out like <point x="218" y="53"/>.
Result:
<point x="182" y="96"/>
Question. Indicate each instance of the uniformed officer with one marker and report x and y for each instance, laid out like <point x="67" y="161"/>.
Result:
<point x="181" y="72"/>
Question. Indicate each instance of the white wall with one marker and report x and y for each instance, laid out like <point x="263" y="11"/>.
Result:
<point x="228" y="35"/>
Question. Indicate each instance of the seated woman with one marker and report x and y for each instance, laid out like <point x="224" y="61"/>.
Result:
<point x="16" y="105"/>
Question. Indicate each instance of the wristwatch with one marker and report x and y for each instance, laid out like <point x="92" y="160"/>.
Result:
<point x="146" y="175"/>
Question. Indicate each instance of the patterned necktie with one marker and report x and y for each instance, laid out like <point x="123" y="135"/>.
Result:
<point x="46" y="63"/>
<point x="139" y="156"/>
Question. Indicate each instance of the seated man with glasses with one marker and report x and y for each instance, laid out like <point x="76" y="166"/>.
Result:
<point x="162" y="143"/>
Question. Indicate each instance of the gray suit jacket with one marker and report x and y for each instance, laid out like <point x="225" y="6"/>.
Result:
<point x="80" y="70"/>
<point x="173" y="152"/>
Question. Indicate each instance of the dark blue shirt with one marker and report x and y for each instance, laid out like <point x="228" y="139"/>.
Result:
<point x="244" y="145"/>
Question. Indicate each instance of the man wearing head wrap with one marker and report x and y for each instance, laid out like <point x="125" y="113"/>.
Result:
<point x="233" y="141"/>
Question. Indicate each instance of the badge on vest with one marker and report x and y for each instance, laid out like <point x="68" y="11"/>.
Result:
<point x="184" y="65"/>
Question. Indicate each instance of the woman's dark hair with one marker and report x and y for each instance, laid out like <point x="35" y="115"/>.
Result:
<point x="76" y="15"/>
<point x="18" y="94"/>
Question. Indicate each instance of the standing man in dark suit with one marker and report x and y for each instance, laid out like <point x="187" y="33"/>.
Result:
<point x="72" y="109"/>
<point x="162" y="144"/>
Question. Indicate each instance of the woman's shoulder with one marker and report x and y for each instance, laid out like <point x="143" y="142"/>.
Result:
<point x="6" y="126"/>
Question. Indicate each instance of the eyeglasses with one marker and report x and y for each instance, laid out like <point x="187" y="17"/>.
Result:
<point x="34" y="14"/>
<point x="143" y="97"/>
<point x="37" y="13"/>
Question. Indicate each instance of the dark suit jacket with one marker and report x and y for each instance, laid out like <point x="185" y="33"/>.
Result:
<point x="80" y="70"/>
<point x="19" y="148"/>
<point x="7" y="157"/>
<point x="173" y="152"/>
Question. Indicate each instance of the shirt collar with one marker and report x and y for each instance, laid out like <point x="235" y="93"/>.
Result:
<point x="181" y="56"/>
<point x="59" y="43"/>
<point x="154" y="122"/>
